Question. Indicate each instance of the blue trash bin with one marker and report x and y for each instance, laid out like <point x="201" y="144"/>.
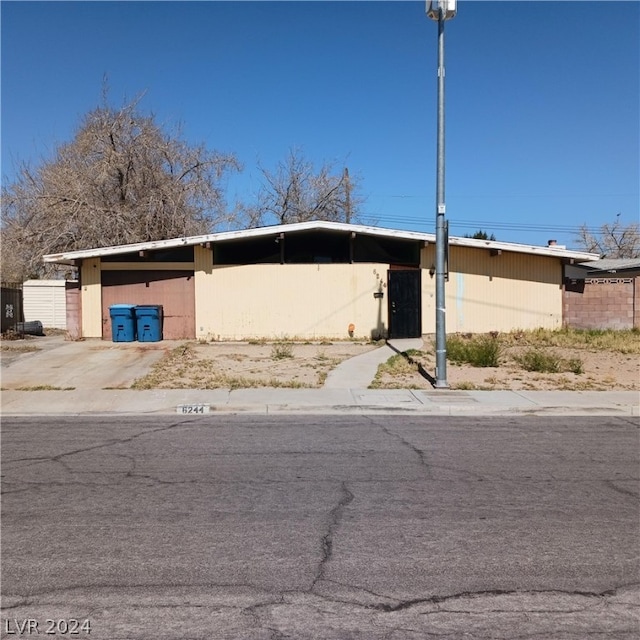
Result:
<point x="123" y="322"/>
<point x="149" y="322"/>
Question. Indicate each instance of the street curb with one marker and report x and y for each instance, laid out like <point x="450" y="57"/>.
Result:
<point x="267" y="401"/>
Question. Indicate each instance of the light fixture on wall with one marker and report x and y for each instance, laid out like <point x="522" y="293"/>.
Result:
<point x="432" y="270"/>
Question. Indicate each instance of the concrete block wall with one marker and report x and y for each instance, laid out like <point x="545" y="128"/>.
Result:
<point x="602" y="303"/>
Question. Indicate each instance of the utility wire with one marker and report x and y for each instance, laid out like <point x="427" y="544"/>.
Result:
<point x="487" y="225"/>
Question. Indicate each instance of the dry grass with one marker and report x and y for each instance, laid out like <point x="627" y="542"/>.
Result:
<point x="623" y="341"/>
<point x="397" y="367"/>
<point x="18" y="348"/>
<point x="42" y="387"/>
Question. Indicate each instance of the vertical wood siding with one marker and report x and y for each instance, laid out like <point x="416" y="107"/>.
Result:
<point x="494" y="293"/>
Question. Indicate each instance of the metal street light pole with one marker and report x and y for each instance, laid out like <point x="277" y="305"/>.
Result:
<point x="441" y="11"/>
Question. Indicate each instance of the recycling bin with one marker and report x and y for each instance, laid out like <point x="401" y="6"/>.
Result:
<point x="149" y="322"/>
<point x="123" y="322"/>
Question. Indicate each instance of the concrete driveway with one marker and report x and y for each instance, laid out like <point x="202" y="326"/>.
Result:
<point x="87" y="364"/>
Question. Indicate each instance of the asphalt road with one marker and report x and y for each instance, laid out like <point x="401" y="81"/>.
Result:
<point x="323" y="527"/>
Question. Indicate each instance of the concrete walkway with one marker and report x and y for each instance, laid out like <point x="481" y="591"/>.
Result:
<point x="358" y="372"/>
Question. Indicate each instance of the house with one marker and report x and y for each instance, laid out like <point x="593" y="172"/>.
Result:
<point x="604" y="294"/>
<point x="315" y="280"/>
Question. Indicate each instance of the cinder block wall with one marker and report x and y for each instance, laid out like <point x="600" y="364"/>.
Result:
<point x="601" y="303"/>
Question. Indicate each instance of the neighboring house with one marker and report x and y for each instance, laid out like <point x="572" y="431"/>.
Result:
<point x="316" y="280"/>
<point x="45" y="300"/>
<point x="604" y="294"/>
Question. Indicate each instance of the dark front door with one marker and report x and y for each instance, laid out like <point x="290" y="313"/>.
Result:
<point x="405" y="318"/>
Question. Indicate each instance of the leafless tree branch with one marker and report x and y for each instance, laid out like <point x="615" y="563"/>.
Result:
<point x="121" y="179"/>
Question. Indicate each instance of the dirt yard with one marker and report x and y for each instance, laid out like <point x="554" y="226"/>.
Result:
<point x="588" y="362"/>
<point x="585" y="361"/>
<point x="243" y="365"/>
<point x="598" y="361"/>
<point x="601" y="371"/>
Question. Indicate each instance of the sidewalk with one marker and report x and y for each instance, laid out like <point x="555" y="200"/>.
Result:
<point x="326" y="401"/>
<point x="345" y="391"/>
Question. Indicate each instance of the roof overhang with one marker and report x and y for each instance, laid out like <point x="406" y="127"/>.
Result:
<point x="609" y="266"/>
<point x="71" y="257"/>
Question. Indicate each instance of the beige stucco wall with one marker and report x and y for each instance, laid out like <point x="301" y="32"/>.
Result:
<point x="91" y="292"/>
<point x="494" y="293"/>
<point x="308" y="301"/>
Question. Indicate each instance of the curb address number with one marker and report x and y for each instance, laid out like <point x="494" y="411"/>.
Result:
<point x="193" y="408"/>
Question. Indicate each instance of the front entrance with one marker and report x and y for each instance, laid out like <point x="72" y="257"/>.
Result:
<point x="405" y="303"/>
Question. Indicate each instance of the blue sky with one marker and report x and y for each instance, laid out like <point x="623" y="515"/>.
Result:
<point x="542" y="98"/>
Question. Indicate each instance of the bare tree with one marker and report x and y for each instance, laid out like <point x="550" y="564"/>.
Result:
<point x="612" y="240"/>
<point x="121" y="179"/>
<point x="297" y="192"/>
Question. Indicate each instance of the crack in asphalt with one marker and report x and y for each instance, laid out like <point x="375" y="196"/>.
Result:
<point x="260" y="616"/>
<point x="406" y="604"/>
<point x="623" y="491"/>
<point x="419" y="452"/>
<point x="108" y="443"/>
<point x="335" y="516"/>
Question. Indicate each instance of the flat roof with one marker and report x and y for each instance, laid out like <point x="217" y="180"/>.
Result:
<point x="68" y="257"/>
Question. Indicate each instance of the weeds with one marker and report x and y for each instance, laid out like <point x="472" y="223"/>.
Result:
<point x="464" y="386"/>
<point x="281" y="350"/>
<point x="548" y="362"/>
<point x="20" y="348"/>
<point x="402" y="365"/>
<point x="478" y="351"/>
<point x="575" y="365"/>
<point x="44" y="387"/>
<point x="620" y="341"/>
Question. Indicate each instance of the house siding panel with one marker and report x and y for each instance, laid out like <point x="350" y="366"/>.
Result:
<point x="495" y="293"/>
<point x="307" y="301"/>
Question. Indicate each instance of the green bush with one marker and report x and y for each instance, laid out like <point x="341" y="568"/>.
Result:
<point x="478" y="351"/>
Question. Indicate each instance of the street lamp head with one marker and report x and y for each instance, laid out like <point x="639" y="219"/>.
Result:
<point x="448" y="8"/>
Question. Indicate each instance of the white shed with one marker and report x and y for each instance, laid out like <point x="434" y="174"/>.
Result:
<point x="45" y="300"/>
